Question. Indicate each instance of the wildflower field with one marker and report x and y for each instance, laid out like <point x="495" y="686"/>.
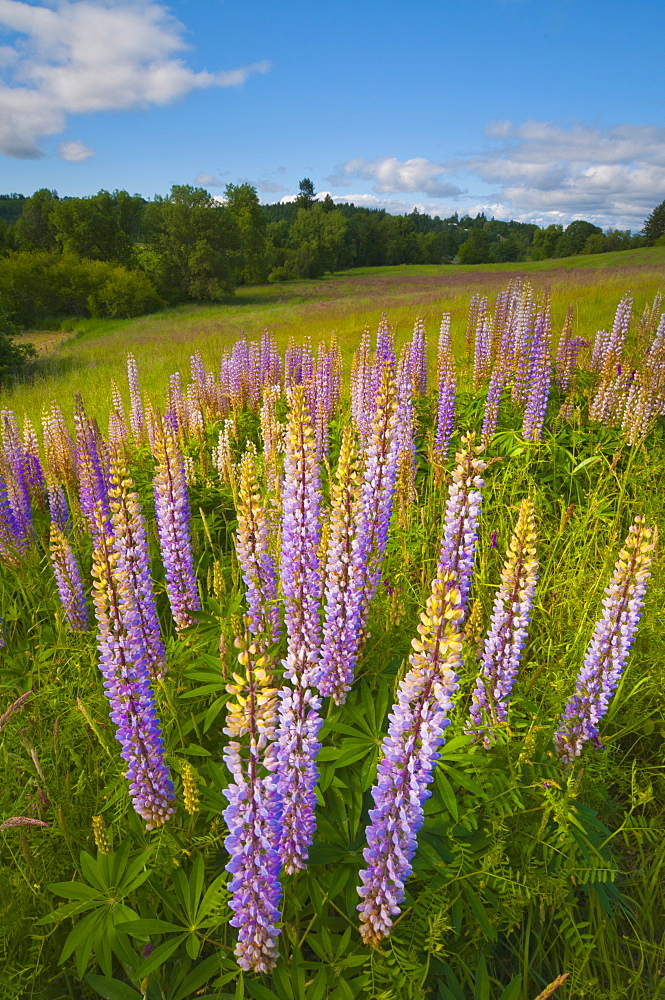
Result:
<point x="332" y="667"/>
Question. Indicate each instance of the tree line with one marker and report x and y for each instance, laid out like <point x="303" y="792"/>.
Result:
<point x="116" y="254"/>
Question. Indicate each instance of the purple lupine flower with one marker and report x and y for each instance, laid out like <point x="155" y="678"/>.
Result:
<point x="16" y="470"/>
<point x="136" y="411"/>
<point x="253" y="815"/>
<point x="482" y="353"/>
<point x="608" y="650"/>
<point x="254" y="556"/>
<point x="343" y="591"/>
<point x="301" y="538"/>
<point x="375" y="499"/>
<point x="507" y="633"/>
<point x="68" y="579"/>
<point x="361" y="380"/>
<point x="490" y="419"/>
<point x="565" y="358"/>
<point x="418" y="358"/>
<point x="408" y="756"/>
<point x="12" y="540"/>
<point x="123" y="663"/>
<point x="446" y="388"/>
<point x="33" y="465"/>
<point x="539" y="379"/>
<point x="130" y="542"/>
<point x="58" y="505"/>
<point x="460" y="533"/>
<point x="91" y="467"/>
<point x="172" y="515"/>
<point x="299" y="719"/>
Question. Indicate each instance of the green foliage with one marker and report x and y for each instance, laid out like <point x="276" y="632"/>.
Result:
<point x="522" y="872"/>
<point x="654" y="226"/>
<point x="198" y="245"/>
<point x="13" y="356"/>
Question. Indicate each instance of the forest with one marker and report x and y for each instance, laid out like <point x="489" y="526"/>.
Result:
<point x="118" y="255"/>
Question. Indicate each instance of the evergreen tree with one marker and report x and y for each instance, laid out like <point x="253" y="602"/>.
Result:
<point x="654" y="226"/>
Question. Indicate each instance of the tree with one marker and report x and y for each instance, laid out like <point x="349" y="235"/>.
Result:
<point x="307" y="195"/>
<point x="35" y="229"/>
<point x="197" y="244"/>
<point x="95" y="227"/>
<point x="13" y="356"/>
<point x="243" y="207"/>
<point x="654" y="226"/>
<point x="476" y="249"/>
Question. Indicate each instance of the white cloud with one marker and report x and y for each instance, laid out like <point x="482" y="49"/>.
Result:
<point x="83" y="56"/>
<point x="390" y="205"/>
<point x="207" y="180"/>
<point x="74" y="151"/>
<point x="391" y="175"/>
<point x="548" y="172"/>
<point x="269" y="187"/>
<point x="540" y="172"/>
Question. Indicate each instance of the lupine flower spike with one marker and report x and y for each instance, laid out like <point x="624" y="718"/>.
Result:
<point x="253" y="813"/>
<point x="502" y="651"/>
<point x="123" y="663"/>
<point x="299" y="719"/>
<point x="343" y="593"/>
<point x="131" y="544"/>
<point x="408" y="757"/>
<point x="608" y="650"/>
<point x="460" y="533"/>
<point x="252" y="546"/>
<point x="68" y="578"/>
<point x="172" y="513"/>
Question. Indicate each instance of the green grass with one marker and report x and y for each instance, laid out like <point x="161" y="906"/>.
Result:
<point x="341" y="303"/>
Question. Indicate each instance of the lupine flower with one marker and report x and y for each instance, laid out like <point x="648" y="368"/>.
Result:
<point x="136" y="411"/>
<point x="131" y="544"/>
<point x="375" y="498"/>
<point x="33" y="465"/>
<point x="16" y="472"/>
<point x="68" y="579"/>
<point x="539" y="379"/>
<point x="123" y="663"/>
<point x="343" y="592"/>
<point x="447" y="384"/>
<point x="460" y="533"/>
<point x="299" y="719"/>
<point x="608" y="650"/>
<point x="253" y="813"/>
<point x="507" y="633"/>
<point x="12" y="541"/>
<point x="172" y="514"/>
<point x="408" y="757"/>
<point x="91" y="467"/>
<point x="301" y="537"/>
<point x="252" y="547"/>
<point x="490" y="419"/>
<point x="58" y="505"/>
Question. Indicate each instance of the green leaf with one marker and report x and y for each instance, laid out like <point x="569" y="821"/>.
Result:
<point x="259" y="992"/>
<point x="194" y="751"/>
<point x="74" y="890"/>
<point x="112" y="989"/>
<point x="198" y="977"/>
<point x="147" y="926"/>
<point x="159" y="956"/>
<point x="513" y="989"/>
<point x="482" y="985"/>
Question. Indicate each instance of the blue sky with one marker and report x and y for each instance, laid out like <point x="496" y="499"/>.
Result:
<point x="539" y="110"/>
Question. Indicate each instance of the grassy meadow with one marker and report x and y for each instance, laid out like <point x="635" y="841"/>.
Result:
<point x="531" y="879"/>
<point x="162" y="343"/>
